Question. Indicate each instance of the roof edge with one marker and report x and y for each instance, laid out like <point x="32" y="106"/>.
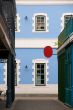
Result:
<point x="47" y="2"/>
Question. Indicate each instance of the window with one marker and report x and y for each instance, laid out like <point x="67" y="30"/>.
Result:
<point x="40" y="23"/>
<point x="40" y="73"/>
<point x="17" y="23"/>
<point x="66" y="19"/>
<point x="15" y="74"/>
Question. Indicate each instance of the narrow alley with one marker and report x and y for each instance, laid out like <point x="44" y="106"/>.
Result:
<point x="35" y="103"/>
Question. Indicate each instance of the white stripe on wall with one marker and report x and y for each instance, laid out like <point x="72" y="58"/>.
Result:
<point x="31" y="89"/>
<point x="44" y="2"/>
<point x="35" y="43"/>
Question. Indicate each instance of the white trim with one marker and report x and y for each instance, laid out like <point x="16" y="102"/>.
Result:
<point x="62" y="20"/>
<point x="5" y="74"/>
<point x="33" y="24"/>
<point x="30" y="89"/>
<point x="18" y="72"/>
<point x="33" y="67"/>
<point x="70" y="39"/>
<point x="44" y="2"/>
<point x="35" y="43"/>
<point x="18" y="22"/>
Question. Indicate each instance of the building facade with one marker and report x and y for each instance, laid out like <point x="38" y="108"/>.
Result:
<point x="38" y="24"/>
<point x="65" y="64"/>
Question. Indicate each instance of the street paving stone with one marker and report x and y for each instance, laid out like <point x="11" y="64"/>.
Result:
<point x="39" y="103"/>
<point x="35" y="103"/>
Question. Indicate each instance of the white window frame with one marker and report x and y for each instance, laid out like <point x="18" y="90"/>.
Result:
<point x="62" y="20"/>
<point x="34" y="25"/>
<point x="34" y="61"/>
<point x="18" y="23"/>
<point x="18" y="72"/>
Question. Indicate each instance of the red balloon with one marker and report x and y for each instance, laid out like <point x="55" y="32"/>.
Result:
<point x="48" y="51"/>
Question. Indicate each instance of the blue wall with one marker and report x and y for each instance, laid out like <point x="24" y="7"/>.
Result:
<point x="53" y="70"/>
<point x="54" y="13"/>
<point x="26" y="56"/>
<point x="1" y="73"/>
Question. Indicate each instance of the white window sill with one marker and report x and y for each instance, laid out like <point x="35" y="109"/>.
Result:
<point x="40" y="31"/>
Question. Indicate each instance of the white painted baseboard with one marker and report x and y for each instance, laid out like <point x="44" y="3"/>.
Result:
<point x="31" y="89"/>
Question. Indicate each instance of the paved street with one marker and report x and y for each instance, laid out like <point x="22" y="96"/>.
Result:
<point x="35" y="103"/>
<point x="39" y="104"/>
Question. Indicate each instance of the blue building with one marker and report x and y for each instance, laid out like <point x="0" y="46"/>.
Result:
<point x="38" y="24"/>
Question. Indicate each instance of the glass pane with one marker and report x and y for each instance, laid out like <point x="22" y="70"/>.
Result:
<point x="42" y="81"/>
<point x="42" y="66"/>
<point x="38" y="65"/>
<point x="42" y="71"/>
<point x="42" y="19"/>
<point x="42" y="77"/>
<point x="38" y="71"/>
<point x="38" y="18"/>
<point x="39" y="77"/>
<point x="38" y="25"/>
<point x="42" y="27"/>
<point x="43" y="24"/>
<point x="38" y="21"/>
<point x="38" y="82"/>
<point x="38" y="74"/>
